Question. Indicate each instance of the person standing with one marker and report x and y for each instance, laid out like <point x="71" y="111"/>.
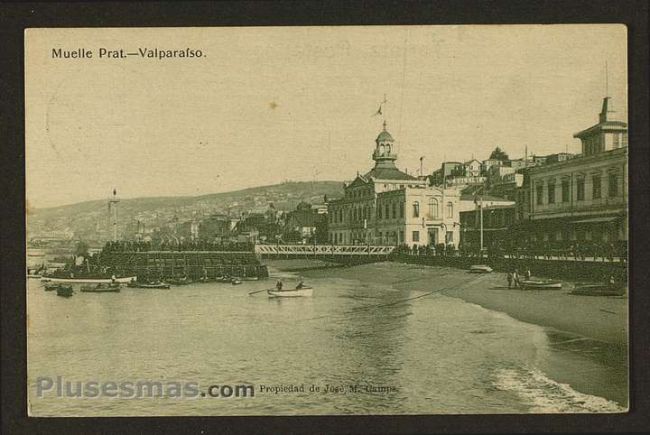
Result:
<point x="509" y="278"/>
<point x="515" y="278"/>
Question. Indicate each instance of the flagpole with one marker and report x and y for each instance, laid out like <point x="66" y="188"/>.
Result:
<point x="481" y="225"/>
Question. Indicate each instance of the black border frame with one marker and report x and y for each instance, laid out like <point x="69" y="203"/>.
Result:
<point x="15" y="17"/>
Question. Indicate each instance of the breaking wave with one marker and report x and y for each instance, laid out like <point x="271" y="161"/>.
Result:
<point x="545" y="395"/>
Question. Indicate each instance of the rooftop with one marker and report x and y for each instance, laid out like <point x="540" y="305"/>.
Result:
<point x="388" y="174"/>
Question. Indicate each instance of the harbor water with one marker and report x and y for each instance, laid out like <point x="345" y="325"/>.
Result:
<point x="357" y="346"/>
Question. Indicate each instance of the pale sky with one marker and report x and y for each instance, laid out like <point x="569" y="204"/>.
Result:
<point x="271" y="104"/>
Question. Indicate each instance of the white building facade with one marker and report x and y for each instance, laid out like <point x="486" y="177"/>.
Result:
<point x="389" y="207"/>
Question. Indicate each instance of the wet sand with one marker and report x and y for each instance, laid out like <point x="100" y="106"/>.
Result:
<point x="600" y="318"/>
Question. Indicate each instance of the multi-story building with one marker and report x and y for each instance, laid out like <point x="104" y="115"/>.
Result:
<point x="584" y="197"/>
<point x="487" y="164"/>
<point x="494" y="224"/>
<point x="473" y="168"/>
<point x="388" y="206"/>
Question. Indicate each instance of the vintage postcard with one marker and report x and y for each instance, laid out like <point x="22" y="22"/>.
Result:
<point x="327" y="220"/>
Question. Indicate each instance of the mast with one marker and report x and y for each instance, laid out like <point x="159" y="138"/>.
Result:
<point x="112" y="211"/>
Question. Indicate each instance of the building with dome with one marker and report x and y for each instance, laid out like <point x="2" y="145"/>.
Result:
<point x="387" y="206"/>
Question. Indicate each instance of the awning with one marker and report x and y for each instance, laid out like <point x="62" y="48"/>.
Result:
<point x="595" y="220"/>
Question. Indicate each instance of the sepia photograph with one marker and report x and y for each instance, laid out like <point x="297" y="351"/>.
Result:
<point x="327" y="220"/>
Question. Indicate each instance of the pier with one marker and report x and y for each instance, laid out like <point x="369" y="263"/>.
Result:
<point x="193" y="264"/>
<point x="337" y="253"/>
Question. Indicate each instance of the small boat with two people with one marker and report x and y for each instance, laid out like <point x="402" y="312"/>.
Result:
<point x="64" y="291"/>
<point x="480" y="268"/>
<point x="299" y="291"/>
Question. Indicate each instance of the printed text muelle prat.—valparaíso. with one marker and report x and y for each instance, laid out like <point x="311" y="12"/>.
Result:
<point x="123" y="53"/>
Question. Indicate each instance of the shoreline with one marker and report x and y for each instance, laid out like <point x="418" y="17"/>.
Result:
<point x="599" y="318"/>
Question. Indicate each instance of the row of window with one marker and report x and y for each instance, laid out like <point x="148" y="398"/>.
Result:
<point x="565" y="189"/>
<point x="391" y="210"/>
<point x="596" y="144"/>
<point x="389" y="237"/>
<point x="432" y="211"/>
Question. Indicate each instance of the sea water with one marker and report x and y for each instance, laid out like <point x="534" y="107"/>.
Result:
<point x="354" y="347"/>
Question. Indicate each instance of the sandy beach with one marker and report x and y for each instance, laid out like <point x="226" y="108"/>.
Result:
<point x="596" y="317"/>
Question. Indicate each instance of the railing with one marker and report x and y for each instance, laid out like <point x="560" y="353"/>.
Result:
<point x="323" y="250"/>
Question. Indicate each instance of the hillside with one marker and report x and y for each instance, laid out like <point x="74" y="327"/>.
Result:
<point x="89" y="219"/>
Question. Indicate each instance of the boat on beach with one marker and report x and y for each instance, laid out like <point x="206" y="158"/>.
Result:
<point x="291" y="293"/>
<point x="540" y="284"/>
<point x="598" y="290"/>
<point x="64" y="291"/>
<point x="480" y="268"/>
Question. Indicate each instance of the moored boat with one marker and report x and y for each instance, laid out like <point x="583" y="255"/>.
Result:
<point x="64" y="291"/>
<point x="540" y="284"/>
<point x="154" y="285"/>
<point x="291" y="293"/>
<point x="49" y="287"/>
<point x="101" y="288"/>
<point x="85" y="280"/>
<point x="180" y="281"/>
<point x="480" y="268"/>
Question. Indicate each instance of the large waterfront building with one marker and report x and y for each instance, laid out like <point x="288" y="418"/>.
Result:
<point x="386" y="206"/>
<point x="583" y="198"/>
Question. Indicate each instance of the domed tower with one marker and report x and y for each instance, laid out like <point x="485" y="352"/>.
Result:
<point x="384" y="154"/>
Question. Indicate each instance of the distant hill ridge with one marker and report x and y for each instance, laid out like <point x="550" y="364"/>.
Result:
<point x="284" y="196"/>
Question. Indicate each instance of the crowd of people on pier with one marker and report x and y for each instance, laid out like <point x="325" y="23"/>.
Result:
<point x="195" y="245"/>
<point x="574" y="250"/>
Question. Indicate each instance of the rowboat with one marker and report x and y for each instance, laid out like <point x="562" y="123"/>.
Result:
<point x="125" y="279"/>
<point x="598" y="290"/>
<point x="235" y="281"/>
<point x="292" y="293"/>
<point x="64" y="291"/>
<point x="50" y="287"/>
<point x="154" y="285"/>
<point x="101" y="288"/>
<point x="480" y="268"/>
<point x="540" y="284"/>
